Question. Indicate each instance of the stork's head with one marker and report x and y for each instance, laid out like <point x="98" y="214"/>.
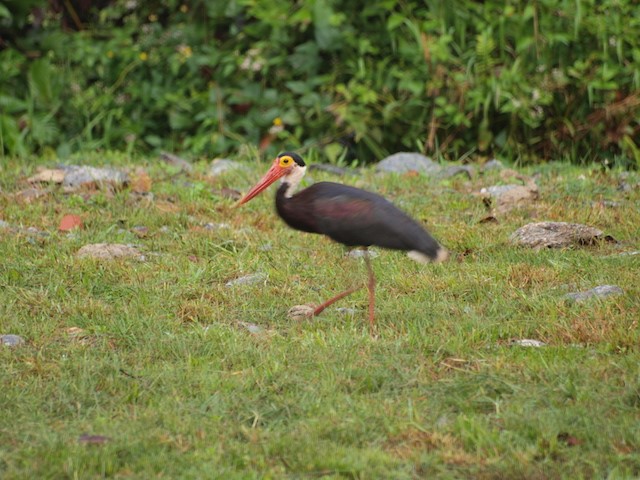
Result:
<point x="288" y="166"/>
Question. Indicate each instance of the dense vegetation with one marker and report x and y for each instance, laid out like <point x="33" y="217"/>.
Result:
<point x="555" y="79"/>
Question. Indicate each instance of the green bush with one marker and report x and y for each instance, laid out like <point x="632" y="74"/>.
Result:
<point x="550" y="80"/>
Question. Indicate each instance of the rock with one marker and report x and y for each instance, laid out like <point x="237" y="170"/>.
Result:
<point x="251" y="327"/>
<point x="223" y="165"/>
<point x="300" y="312"/>
<point x="11" y="340"/>
<point x="453" y="170"/>
<point x="226" y="192"/>
<point x="215" y="226"/>
<point x="4" y="224"/>
<point x="403" y="162"/>
<point x="555" y="235"/>
<point x="93" y="439"/>
<point x="600" y="291"/>
<point x="76" y="176"/>
<point x="108" y="251"/>
<point x="360" y="253"/>
<point x="496" y="191"/>
<point x="176" y="161"/>
<point x="251" y="279"/>
<point x="526" y="342"/>
<point x="48" y="175"/>
<point x="30" y="195"/>
<point x="346" y="311"/>
<point x="334" y="169"/>
<point x="493" y="164"/>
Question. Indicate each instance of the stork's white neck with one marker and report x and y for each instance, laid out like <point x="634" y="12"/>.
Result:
<point x="293" y="180"/>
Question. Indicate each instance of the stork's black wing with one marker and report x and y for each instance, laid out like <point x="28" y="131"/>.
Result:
<point x="355" y="217"/>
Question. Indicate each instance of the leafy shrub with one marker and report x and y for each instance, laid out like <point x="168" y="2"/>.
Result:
<point x="554" y="79"/>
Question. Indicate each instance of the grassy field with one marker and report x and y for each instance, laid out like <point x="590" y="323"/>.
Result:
<point x="154" y="358"/>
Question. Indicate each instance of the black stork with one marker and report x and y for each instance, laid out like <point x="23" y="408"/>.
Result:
<point x="348" y="215"/>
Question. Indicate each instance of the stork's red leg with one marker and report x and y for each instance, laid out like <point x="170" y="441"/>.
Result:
<point x="371" y="286"/>
<point x="318" y="310"/>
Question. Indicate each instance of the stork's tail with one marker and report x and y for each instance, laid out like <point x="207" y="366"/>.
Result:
<point x="439" y="254"/>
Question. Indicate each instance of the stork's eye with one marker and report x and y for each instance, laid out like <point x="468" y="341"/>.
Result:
<point x="286" y="161"/>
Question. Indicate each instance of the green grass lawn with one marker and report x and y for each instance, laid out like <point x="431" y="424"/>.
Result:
<point x="156" y="356"/>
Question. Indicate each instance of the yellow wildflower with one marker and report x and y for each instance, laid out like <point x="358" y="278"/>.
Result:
<point x="277" y="122"/>
<point x="144" y="56"/>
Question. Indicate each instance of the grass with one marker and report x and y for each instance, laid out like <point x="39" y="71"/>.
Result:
<point x="164" y="367"/>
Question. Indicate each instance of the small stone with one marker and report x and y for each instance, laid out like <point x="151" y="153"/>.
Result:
<point x="555" y="235"/>
<point x="453" y="170"/>
<point x="493" y="164"/>
<point x="359" y="253"/>
<point x="215" y="226"/>
<point x="346" y="311"/>
<point x="526" y="342"/>
<point x="496" y="191"/>
<point x="93" y="439"/>
<point x="30" y="195"/>
<point x="140" y="230"/>
<point x="4" y="224"/>
<point x="300" y="312"/>
<point x="48" y="175"/>
<point x="404" y="162"/>
<point x="108" y="251"/>
<point x="223" y="165"/>
<point x="251" y="279"/>
<point x="11" y="340"/>
<point x="334" y="169"/>
<point x="251" y="327"/>
<point x="76" y="176"/>
<point x="600" y="291"/>
<point x="176" y="161"/>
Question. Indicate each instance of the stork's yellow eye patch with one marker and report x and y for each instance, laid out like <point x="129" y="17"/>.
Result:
<point x="286" y="161"/>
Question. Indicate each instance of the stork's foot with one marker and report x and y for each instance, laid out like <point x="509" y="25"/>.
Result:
<point x="301" y="312"/>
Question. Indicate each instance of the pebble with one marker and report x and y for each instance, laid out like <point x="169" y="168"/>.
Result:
<point x="600" y="291"/>
<point x="223" y="165"/>
<point x="11" y="340"/>
<point x="334" y="169"/>
<point x="496" y="191"/>
<point x="526" y="342"/>
<point x="403" y="162"/>
<point x="493" y="164"/>
<point x="250" y="279"/>
<point x="109" y="251"/>
<point x="453" y="170"/>
<point x="76" y="176"/>
<point x="359" y="253"/>
<point x="176" y="161"/>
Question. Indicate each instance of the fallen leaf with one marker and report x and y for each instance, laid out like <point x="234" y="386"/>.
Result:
<point x="167" y="207"/>
<point x="93" y="439"/>
<point x="141" y="182"/>
<point x="70" y="222"/>
<point x="48" y="175"/>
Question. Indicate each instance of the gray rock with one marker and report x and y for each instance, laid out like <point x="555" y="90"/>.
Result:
<point x="251" y="327"/>
<point x="223" y="165"/>
<point x="11" y="340"/>
<point x="77" y="176"/>
<point x="334" y="169"/>
<point x="346" y="311"/>
<point x="215" y="226"/>
<point x="496" y="191"/>
<point x="250" y="279"/>
<point x="4" y="224"/>
<point x="359" y="253"/>
<point x="493" y="164"/>
<point x="176" y="161"/>
<point x="555" y="235"/>
<point x="403" y="162"/>
<point x="453" y="170"/>
<point x="526" y="342"/>
<point x="107" y="251"/>
<point x="600" y="291"/>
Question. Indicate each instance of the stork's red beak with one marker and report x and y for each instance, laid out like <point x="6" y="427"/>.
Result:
<point x="273" y="174"/>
